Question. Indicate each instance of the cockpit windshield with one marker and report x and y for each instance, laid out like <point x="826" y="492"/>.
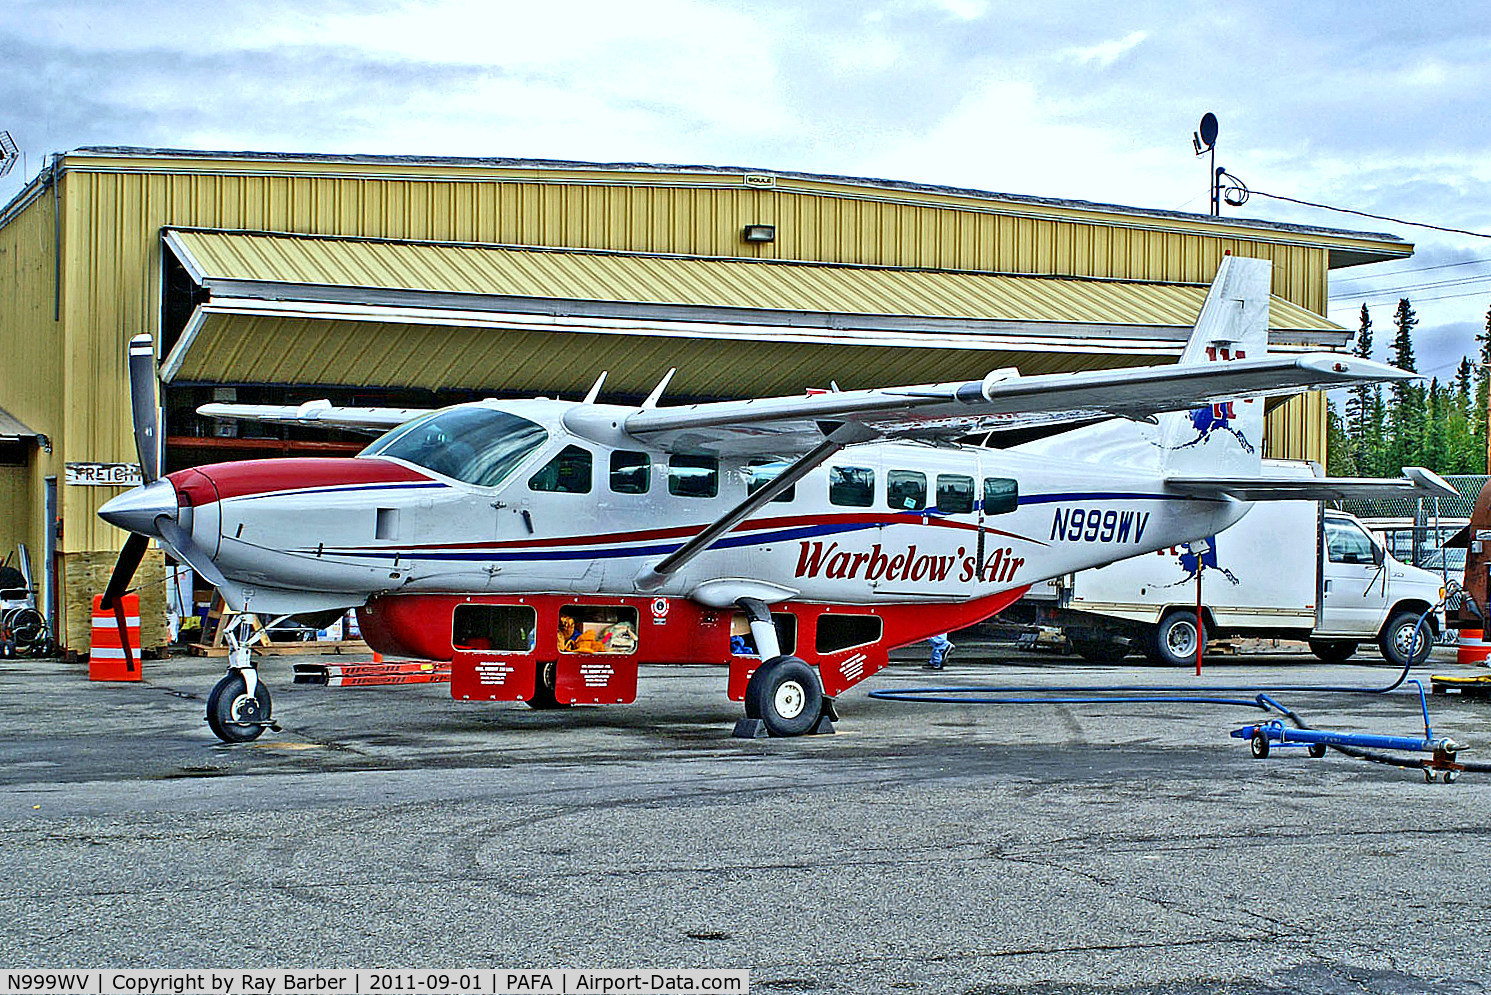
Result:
<point x="477" y="445"/>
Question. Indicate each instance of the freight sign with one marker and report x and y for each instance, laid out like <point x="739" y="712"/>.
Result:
<point x="103" y="474"/>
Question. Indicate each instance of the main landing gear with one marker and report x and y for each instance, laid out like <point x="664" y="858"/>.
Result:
<point x="784" y="697"/>
<point x="239" y="708"/>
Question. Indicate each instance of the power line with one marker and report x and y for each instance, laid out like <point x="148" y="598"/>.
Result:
<point x="1437" y="284"/>
<point x="1371" y="299"/>
<point x="1405" y="272"/>
<point x="1378" y="217"/>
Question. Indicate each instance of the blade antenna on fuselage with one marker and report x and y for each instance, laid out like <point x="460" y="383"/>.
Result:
<point x="657" y="392"/>
<point x="595" y="391"/>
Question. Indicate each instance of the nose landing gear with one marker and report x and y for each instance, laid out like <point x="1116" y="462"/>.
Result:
<point x="239" y="708"/>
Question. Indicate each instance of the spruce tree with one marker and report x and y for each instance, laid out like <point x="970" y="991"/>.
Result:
<point x="1482" y="382"/>
<point x="1405" y="415"/>
<point x="1361" y="395"/>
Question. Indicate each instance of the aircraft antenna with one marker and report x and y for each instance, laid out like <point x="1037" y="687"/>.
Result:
<point x="595" y="391"/>
<point x="657" y="392"/>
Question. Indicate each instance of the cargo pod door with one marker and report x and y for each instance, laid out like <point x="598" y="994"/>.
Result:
<point x="597" y="654"/>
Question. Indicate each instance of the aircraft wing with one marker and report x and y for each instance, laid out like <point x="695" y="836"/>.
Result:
<point x="316" y="413"/>
<point x="1002" y="400"/>
<point x="1415" y="482"/>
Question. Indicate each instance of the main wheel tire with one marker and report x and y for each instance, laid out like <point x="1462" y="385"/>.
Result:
<point x="788" y="697"/>
<point x="227" y="704"/>
<point x="544" y="682"/>
<point x="1397" y="636"/>
<point x="1176" y="637"/>
<point x="1333" y="650"/>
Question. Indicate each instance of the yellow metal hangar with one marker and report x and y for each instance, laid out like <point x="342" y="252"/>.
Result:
<point x="396" y="279"/>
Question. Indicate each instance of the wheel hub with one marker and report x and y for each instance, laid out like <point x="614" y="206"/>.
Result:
<point x="246" y="710"/>
<point x="789" y="699"/>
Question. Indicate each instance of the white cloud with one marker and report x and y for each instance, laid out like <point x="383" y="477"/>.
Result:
<point x="1104" y="54"/>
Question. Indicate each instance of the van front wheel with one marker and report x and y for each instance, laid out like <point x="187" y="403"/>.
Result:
<point x="1398" y="636"/>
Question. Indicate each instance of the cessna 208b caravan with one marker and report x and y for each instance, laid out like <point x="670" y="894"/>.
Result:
<point x="549" y="547"/>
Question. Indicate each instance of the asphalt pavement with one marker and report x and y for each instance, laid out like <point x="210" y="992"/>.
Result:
<point x="968" y="848"/>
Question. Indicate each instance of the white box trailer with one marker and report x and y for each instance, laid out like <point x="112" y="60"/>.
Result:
<point x="1287" y="570"/>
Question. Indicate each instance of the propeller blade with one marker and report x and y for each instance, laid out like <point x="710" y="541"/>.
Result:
<point x="143" y="406"/>
<point x="181" y="544"/>
<point x="124" y="571"/>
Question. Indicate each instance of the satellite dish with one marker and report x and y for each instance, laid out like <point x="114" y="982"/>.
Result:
<point x="1208" y="129"/>
<point x="7" y="153"/>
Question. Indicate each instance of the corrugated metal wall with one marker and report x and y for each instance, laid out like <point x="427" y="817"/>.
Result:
<point x="31" y="380"/>
<point x="113" y="220"/>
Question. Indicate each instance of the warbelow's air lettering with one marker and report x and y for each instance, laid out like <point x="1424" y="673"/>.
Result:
<point x="817" y="559"/>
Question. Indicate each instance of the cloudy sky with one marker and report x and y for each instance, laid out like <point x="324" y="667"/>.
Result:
<point x="1376" y="106"/>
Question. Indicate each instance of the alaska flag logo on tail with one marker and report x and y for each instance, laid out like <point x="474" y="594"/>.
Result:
<point x="1222" y="438"/>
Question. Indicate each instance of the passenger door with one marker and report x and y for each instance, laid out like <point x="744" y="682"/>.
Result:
<point x="1354" y="578"/>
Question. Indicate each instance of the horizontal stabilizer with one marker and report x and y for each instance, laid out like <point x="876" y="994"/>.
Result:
<point x="1415" y="482"/>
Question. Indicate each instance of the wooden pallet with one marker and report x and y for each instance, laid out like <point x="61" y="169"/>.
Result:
<point x="221" y="619"/>
<point x="1471" y="687"/>
<point x="337" y="648"/>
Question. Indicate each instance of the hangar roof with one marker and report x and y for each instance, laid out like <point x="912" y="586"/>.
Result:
<point x="1346" y="247"/>
<point x="307" y="309"/>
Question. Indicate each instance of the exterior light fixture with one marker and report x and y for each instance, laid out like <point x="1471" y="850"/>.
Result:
<point x="760" y="233"/>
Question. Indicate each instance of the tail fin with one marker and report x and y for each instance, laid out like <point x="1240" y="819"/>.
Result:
<point x="1224" y="438"/>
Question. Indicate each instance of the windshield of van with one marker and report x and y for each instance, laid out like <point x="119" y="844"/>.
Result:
<point x="476" y="445"/>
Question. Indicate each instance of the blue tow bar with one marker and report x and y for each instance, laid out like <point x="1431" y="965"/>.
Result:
<point x="1275" y="733"/>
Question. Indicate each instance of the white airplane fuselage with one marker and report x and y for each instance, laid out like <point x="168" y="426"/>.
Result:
<point x="879" y="523"/>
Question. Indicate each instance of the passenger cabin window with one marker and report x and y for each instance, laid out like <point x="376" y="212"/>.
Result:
<point x="906" y="490"/>
<point x="693" y="476"/>
<point x="851" y="486"/>
<point x="1001" y="495"/>
<point x="759" y="473"/>
<point x="1345" y="543"/>
<point x="567" y="473"/>
<point x="954" y="494"/>
<point x="631" y="473"/>
<point x="474" y="444"/>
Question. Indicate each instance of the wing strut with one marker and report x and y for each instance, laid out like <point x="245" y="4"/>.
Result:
<point x="844" y="434"/>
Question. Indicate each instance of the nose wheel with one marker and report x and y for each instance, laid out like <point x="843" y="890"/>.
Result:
<point x="237" y="715"/>
<point x="239" y="708"/>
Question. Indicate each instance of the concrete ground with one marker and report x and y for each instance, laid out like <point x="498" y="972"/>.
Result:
<point x="978" y="849"/>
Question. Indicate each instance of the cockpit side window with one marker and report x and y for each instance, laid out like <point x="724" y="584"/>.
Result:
<point x="566" y="473"/>
<point x="476" y="445"/>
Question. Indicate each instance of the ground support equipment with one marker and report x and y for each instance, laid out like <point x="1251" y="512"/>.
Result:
<point x="1442" y="750"/>
<point x="372" y="674"/>
<point x="1478" y="686"/>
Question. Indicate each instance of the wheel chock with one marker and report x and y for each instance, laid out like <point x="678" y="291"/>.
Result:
<point x="750" y="729"/>
<point x="823" y="727"/>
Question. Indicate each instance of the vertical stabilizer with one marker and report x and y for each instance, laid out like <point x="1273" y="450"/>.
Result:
<point x="1224" y="438"/>
<point x="1221" y="439"/>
